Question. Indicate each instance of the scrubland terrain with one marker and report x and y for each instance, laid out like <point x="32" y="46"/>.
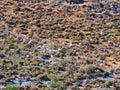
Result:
<point x="57" y="45"/>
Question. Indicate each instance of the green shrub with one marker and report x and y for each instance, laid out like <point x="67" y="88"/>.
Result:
<point x="12" y="87"/>
<point x="55" y="81"/>
<point x="63" y="62"/>
<point x="61" y="56"/>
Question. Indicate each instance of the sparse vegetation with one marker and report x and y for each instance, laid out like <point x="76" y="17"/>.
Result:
<point x="78" y="43"/>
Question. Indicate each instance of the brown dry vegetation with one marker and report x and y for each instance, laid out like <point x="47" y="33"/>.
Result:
<point x="83" y="46"/>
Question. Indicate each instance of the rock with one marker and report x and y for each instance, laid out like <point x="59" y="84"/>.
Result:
<point x="2" y="76"/>
<point x="18" y="52"/>
<point x="106" y="14"/>
<point x="2" y="55"/>
<point x="20" y="5"/>
<point x="100" y="16"/>
<point x="26" y="83"/>
<point x="109" y="9"/>
<point x="31" y="43"/>
<point x="70" y="7"/>
<point x="75" y="1"/>
<point x="45" y="80"/>
<point x="101" y="5"/>
<point x="1" y="87"/>
<point x="28" y="56"/>
<point x="1" y="18"/>
<point x="58" y="4"/>
<point x="90" y="7"/>
<point x="38" y="49"/>
<point x="117" y="11"/>
<point x="20" y="39"/>
<point x="34" y="79"/>
<point x="61" y="69"/>
<point x="45" y="57"/>
<point x="22" y="52"/>
<point x="18" y="82"/>
<point x="114" y="5"/>
<point x="92" y="15"/>
<point x="24" y="32"/>
<point x="10" y="83"/>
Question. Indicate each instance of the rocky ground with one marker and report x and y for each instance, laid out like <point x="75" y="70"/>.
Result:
<point x="57" y="45"/>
